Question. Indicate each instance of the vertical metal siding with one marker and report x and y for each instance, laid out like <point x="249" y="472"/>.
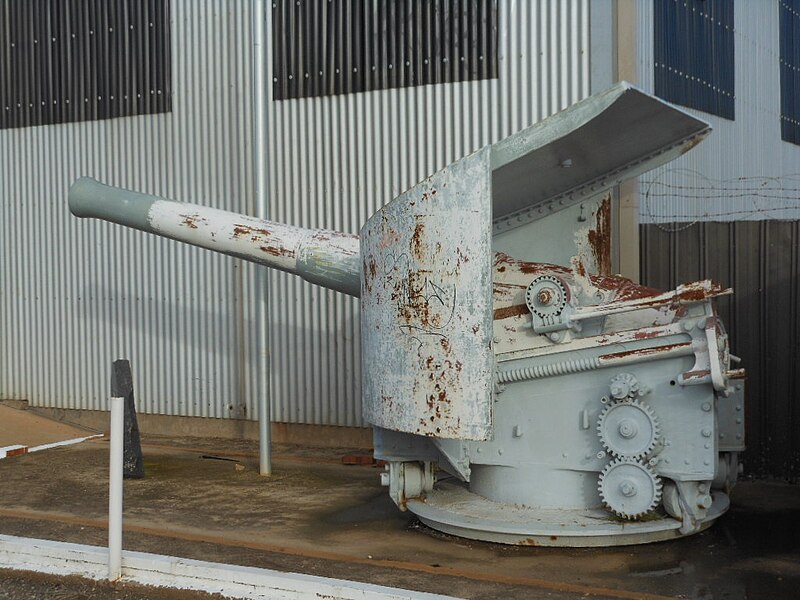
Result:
<point x="761" y="262"/>
<point x="74" y="294"/>
<point x="743" y="171"/>
<point x="335" y="160"/>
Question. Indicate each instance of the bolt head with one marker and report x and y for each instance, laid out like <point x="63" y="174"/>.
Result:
<point x="628" y="428"/>
<point x="546" y="296"/>
<point x="619" y="389"/>
<point x="627" y="488"/>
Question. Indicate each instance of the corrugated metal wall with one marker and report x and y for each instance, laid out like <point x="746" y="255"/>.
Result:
<point x="715" y="213"/>
<point x="761" y="262"/>
<point x="76" y="294"/>
<point x="743" y="171"/>
<point x="336" y="159"/>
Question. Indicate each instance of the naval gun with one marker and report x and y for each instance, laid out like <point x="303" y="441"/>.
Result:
<point x="514" y="400"/>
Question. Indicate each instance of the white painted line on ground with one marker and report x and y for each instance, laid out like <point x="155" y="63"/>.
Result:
<point x="64" y="443"/>
<point x="13" y="450"/>
<point x="17" y="449"/>
<point x="61" y="558"/>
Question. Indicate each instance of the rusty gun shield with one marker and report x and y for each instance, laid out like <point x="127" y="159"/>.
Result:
<point x="426" y="306"/>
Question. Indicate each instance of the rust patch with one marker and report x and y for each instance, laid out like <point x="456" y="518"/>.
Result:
<point x="191" y="221"/>
<point x="416" y="240"/>
<point x="580" y="268"/>
<point x="645" y="335"/>
<point x="600" y="237"/>
<point x="624" y="288"/>
<point x="240" y="230"/>
<point x="696" y="374"/>
<point x="736" y="374"/>
<point x="503" y="261"/>
<point x="644" y="351"/>
<point x="422" y="303"/>
<point x="528" y="542"/>
<point x="510" y="311"/>
<point x="276" y="251"/>
<point x="370" y="270"/>
<point x="691" y="144"/>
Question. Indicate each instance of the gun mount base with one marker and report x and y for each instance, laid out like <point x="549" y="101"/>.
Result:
<point x="452" y="509"/>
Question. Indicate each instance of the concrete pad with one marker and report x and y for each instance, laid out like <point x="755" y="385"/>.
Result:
<point x="320" y="517"/>
<point x="24" y="428"/>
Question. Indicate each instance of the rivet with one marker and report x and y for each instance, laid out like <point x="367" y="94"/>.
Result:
<point x="706" y="406"/>
<point x="500" y="451"/>
<point x="706" y="432"/>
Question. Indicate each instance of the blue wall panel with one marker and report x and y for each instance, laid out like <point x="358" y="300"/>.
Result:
<point x="694" y="54"/>
<point x="790" y="70"/>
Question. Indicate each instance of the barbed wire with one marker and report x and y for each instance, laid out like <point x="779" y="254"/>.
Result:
<point x="763" y="191"/>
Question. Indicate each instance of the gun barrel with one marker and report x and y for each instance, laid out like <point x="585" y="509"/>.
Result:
<point x="326" y="258"/>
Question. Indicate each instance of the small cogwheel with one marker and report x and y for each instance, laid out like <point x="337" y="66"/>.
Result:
<point x="629" y="489"/>
<point x="547" y="296"/>
<point x="628" y="428"/>
<point x="623" y="385"/>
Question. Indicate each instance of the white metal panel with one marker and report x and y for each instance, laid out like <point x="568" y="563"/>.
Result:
<point x="75" y="295"/>
<point x="335" y="160"/>
<point x="743" y="171"/>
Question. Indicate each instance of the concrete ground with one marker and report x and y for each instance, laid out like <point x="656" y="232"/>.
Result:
<point x="204" y="499"/>
<point x="25" y="428"/>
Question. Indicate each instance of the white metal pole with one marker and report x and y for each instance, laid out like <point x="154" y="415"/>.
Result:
<point x="261" y="176"/>
<point x="115" y="489"/>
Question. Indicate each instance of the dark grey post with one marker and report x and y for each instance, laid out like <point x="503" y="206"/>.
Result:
<point x="122" y="387"/>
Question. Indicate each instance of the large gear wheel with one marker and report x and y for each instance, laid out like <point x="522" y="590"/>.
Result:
<point x="628" y="429"/>
<point x="629" y="489"/>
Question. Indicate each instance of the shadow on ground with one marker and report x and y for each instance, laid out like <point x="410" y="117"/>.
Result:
<point x="317" y="516"/>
